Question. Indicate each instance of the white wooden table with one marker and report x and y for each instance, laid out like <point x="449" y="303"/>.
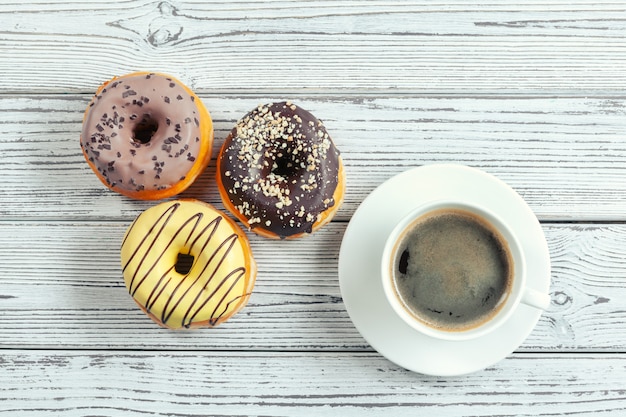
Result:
<point x="532" y="92"/>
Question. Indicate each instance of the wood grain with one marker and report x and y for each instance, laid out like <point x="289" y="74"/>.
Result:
<point x="287" y="384"/>
<point x="61" y="287"/>
<point x="532" y="92"/>
<point x="565" y="156"/>
<point x="563" y="47"/>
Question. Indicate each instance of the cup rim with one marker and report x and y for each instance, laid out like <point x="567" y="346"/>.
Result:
<point x="510" y="303"/>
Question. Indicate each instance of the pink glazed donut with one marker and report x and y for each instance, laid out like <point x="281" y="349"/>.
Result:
<point x="146" y="135"/>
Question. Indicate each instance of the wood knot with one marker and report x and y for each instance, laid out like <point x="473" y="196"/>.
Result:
<point x="561" y="298"/>
<point x="164" y="29"/>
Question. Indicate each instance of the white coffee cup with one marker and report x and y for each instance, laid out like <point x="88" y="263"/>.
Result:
<point x="518" y="291"/>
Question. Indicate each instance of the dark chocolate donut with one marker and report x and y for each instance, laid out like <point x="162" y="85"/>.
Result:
<point x="279" y="171"/>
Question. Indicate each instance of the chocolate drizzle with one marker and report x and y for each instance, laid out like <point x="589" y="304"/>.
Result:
<point x="178" y="300"/>
<point x="131" y="122"/>
<point x="280" y="168"/>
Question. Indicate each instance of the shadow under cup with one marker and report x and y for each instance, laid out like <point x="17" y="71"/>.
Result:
<point x="455" y="271"/>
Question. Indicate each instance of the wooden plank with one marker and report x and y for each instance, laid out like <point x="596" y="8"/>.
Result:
<point x="565" y="156"/>
<point x="443" y="46"/>
<point x="61" y="287"/>
<point x="41" y="383"/>
<point x="531" y="92"/>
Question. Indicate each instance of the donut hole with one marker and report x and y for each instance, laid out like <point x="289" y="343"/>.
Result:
<point x="145" y="129"/>
<point x="184" y="263"/>
<point x="285" y="168"/>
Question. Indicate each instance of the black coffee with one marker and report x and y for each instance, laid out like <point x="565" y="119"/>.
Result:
<point x="452" y="270"/>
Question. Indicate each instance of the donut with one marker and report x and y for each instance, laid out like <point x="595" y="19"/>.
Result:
<point x="186" y="264"/>
<point x="280" y="173"/>
<point x="146" y="135"/>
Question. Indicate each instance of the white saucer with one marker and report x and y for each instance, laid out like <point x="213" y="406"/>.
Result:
<point x="359" y="269"/>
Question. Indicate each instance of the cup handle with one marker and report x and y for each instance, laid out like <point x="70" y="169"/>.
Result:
<point x="536" y="299"/>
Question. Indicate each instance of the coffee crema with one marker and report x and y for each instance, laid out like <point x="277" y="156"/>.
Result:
<point x="452" y="270"/>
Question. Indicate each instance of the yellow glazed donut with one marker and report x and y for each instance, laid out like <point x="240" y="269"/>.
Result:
<point x="187" y="265"/>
